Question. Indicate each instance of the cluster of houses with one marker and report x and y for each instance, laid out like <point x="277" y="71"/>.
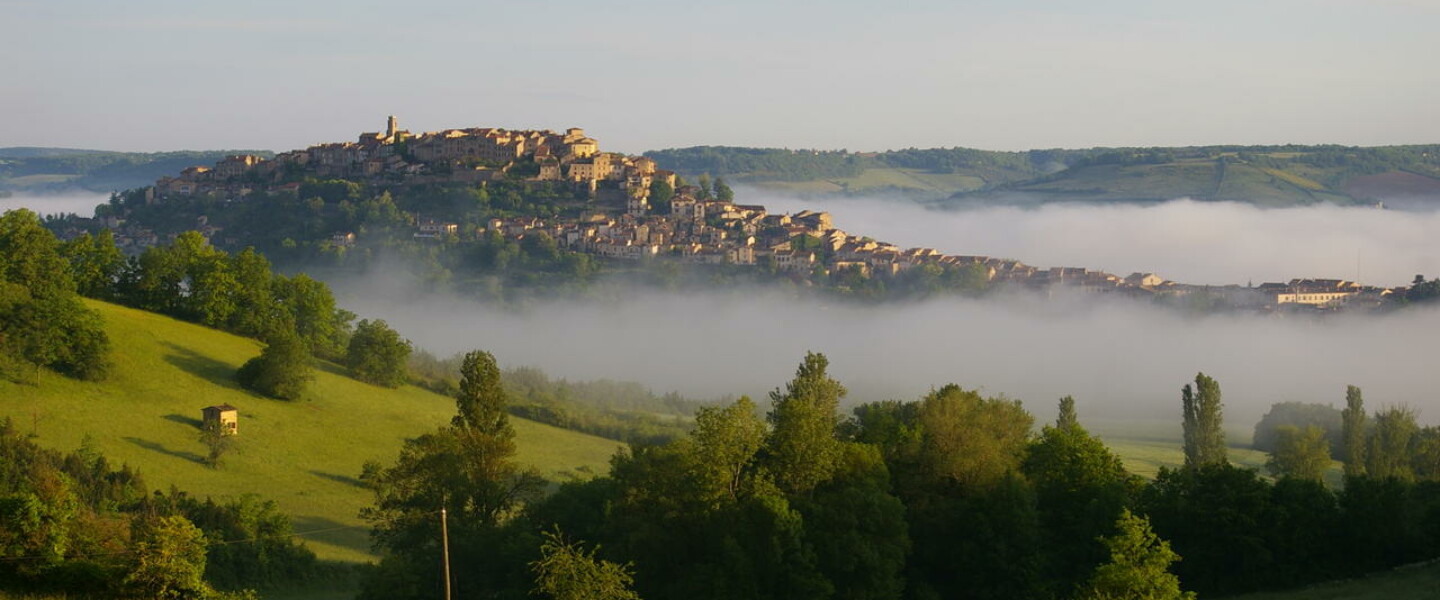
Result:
<point x="721" y="232"/>
<point x="471" y="155"/>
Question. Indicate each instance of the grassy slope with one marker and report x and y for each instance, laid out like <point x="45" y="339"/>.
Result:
<point x="1145" y="446"/>
<point x="304" y="455"/>
<point x="1294" y="184"/>
<point x="1413" y="581"/>
<point x="881" y="180"/>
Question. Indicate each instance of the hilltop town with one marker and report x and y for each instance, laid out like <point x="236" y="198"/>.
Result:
<point x="628" y="209"/>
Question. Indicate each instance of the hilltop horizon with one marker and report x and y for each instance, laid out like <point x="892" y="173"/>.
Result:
<point x="38" y="150"/>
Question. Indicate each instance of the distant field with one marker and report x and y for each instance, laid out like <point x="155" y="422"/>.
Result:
<point x="1418" y="582"/>
<point x="883" y="179"/>
<point x="1145" y="446"/>
<point x="304" y="455"/>
<point x="29" y="180"/>
<point x="1180" y="179"/>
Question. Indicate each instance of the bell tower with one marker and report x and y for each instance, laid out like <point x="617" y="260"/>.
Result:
<point x="392" y="127"/>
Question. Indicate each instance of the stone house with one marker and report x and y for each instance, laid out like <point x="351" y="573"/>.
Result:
<point x="222" y="416"/>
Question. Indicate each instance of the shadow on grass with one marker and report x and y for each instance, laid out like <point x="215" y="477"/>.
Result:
<point x="157" y="447"/>
<point x="215" y="371"/>
<point x="331" y="368"/>
<point x="330" y="531"/>
<point x="184" y="420"/>
<point x="345" y="479"/>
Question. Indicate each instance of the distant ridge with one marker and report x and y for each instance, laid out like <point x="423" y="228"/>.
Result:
<point x="41" y="170"/>
<point x="1283" y="175"/>
<point x="43" y="152"/>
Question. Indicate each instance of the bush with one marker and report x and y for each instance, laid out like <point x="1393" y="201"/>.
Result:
<point x="282" y="370"/>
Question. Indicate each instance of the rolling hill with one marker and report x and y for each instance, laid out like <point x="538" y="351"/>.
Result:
<point x="305" y="455"/>
<point x="1406" y="176"/>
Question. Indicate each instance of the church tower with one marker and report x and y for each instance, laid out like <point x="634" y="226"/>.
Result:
<point x="393" y="127"/>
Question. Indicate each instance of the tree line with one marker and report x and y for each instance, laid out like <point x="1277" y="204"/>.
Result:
<point x="44" y="324"/>
<point x="1387" y="443"/>
<point x="949" y="496"/>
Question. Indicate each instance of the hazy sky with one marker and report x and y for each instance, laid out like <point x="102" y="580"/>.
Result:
<point x="1016" y="74"/>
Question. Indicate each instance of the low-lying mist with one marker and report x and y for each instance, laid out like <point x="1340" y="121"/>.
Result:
<point x="80" y="203"/>
<point x="1212" y="243"/>
<point x="1120" y="359"/>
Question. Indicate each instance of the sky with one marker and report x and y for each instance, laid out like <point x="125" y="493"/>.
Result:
<point x="152" y="75"/>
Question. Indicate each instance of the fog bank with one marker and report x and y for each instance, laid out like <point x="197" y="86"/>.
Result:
<point x="82" y="204"/>
<point x="1192" y="242"/>
<point x="1118" y="358"/>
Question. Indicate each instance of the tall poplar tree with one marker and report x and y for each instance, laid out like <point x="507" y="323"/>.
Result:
<point x="1352" y="421"/>
<point x="481" y="401"/>
<point x="1067" y="419"/>
<point x="1204" y="438"/>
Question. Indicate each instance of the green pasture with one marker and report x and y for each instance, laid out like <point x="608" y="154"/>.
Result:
<point x="305" y="455"/>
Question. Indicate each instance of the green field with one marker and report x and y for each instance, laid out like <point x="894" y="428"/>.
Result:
<point x="305" y="455"/>
<point x="881" y="180"/>
<point x="39" y="179"/>
<point x="1417" y="582"/>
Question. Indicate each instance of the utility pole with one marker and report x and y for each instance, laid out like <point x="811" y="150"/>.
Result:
<point x="445" y="548"/>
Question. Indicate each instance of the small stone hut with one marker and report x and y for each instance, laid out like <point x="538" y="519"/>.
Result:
<point x="222" y="416"/>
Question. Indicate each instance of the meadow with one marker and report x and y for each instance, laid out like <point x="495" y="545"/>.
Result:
<point x="305" y="455"/>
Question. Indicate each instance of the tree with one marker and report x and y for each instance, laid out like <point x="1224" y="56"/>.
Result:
<point x="217" y="441"/>
<point x="1353" y="431"/>
<point x="377" y="354"/>
<point x="467" y="468"/>
<point x="310" y="307"/>
<point x="1067" y="418"/>
<point x="283" y="369"/>
<point x="42" y="320"/>
<point x="480" y="404"/>
<point x="971" y="440"/>
<point x="723" y="191"/>
<point x="169" y="561"/>
<point x="661" y="192"/>
<point x="1389" y="451"/>
<point x="1426" y="455"/>
<point x="1080" y="489"/>
<point x="256" y="312"/>
<point x="1299" y="414"/>
<point x="802" y="448"/>
<point x="1299" y="453"/>
<point x="566" y="571"/>
<point x="703" y="185"/>
<point x="1139" y="566"/>
<point x="858" y="528"/>
<point x="726" y="440"/>
<point x="1204" y="438"/>
<point x="96" y="263"/>
<point x="1220" y="518"/>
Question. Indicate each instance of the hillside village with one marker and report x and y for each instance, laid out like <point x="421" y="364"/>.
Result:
<point x="689" y="225"/>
